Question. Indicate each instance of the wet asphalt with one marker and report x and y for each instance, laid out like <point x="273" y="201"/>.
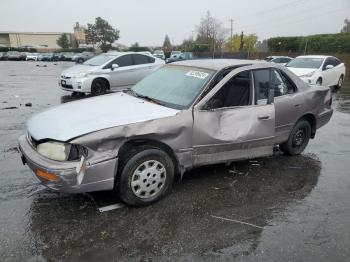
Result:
<point x="270" y="209"/>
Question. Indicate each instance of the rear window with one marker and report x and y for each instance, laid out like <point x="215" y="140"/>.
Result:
<point x="141" y="59"/>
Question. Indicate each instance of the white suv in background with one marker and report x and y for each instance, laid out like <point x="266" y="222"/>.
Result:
<point x="318" y="69"/>
<point x="115" y="70"/>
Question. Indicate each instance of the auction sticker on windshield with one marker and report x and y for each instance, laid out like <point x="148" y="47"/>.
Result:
<point x="197" y="74"/>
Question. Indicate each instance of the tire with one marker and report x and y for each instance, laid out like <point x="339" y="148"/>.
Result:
<point x="98" y="87"/>
<point x="298" y="139"/>
<point x="340" y="81"/>
<point x="145" y="177"/>
<point x="80" y="61"/>
<point x="319" y="82"/>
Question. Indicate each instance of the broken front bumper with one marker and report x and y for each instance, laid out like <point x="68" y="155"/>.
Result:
<point x="65" y="176"/>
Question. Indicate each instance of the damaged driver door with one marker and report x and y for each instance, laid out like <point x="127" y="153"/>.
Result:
<point x="236" y="119"/>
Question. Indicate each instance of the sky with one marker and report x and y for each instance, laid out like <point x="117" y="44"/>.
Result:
<point x="148" y="21"/>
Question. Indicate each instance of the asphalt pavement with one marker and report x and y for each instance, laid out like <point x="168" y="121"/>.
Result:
<point x="278" y="208"/>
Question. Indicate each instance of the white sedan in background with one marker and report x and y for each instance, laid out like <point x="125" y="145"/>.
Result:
<point x="32" y="56"/>
<point x="319" y="70"/>
<point x="115" y="70"/>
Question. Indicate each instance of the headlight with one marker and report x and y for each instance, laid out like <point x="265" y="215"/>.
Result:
<point x="309" y="74"/>
<point x="61" y="151"/>
<point x="84" y="74"/>
<point x="54" y="150"/>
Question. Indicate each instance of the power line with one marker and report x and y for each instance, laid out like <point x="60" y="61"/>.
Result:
<point x="283" y="14"/>
<point x="296" y="2"/>
<point x="263" y="27"/>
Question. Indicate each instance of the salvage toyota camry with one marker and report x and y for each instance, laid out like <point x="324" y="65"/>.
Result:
<point x="184" y="115"/>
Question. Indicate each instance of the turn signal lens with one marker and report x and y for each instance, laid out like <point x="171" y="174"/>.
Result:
<point x="46" y="175"/>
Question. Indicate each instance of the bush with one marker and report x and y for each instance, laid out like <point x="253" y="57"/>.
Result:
<point x="6" y="49"/>
<point x="76" y="50"/>
<point x="326" y="43"/>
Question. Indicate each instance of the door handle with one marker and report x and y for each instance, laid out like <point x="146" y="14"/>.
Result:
<point x="263" y="117"/>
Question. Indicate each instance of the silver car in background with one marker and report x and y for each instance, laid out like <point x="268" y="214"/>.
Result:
<point x="184" y="115"/>
<point x="108" y="71"/>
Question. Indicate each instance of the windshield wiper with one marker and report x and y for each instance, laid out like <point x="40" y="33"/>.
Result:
<point x="146" y="97"/>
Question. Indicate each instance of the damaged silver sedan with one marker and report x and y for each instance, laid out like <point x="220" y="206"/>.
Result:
<point x="184" y="115"/>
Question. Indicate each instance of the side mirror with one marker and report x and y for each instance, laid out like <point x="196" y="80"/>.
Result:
<point x="329" y="67"/>
<point x="115" y="66"/>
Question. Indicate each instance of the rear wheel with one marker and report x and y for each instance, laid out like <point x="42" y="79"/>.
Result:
<point x="145" y="177"/>
<point x="80" y="61"/>
<point x="98" y="87"/>
<point x="340" y="81"/>
<point x="298" y="138"/>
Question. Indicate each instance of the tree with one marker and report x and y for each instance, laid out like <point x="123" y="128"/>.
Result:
<point x="249" y="43"/>
<point x="101" y="33"/>
<point x="346" y="27"/>
<point x="167" y="44"/>
<point x="211" y="32"/>
<point x="137" y="48"/>
<point x="63" y="41"/>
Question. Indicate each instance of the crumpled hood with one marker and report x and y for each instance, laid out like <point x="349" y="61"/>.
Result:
<point x="74" y="119"/>
<point x="301" y="71"/>
<point x="74" y="70"/>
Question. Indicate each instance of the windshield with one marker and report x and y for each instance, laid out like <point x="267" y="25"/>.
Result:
<point x="305" y="62"/>
<point x="99" y="60"/>
<point x="174" y="86"/>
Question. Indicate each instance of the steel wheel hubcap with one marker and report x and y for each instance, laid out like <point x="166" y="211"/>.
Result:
<point x="148" y="179"/>
<point x="299" y="137"/>
<point x="340" y="82"/>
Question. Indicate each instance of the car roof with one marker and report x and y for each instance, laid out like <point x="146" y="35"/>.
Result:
<point x="218" y="64"/>
<point x="313" y="56"/>
<point x="274" y="57"/>
<point x="116" y="53"/>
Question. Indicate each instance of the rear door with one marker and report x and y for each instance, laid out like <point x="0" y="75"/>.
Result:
<point x="143" y="65"/>
<point x="122" y="76"/>
<point x="236" y="120"/>
<point x="288" y="104"/>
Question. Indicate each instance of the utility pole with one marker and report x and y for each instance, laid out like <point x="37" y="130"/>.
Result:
<point x="242" y="42"/>
<point x="305" y="49"/>
<point x="231" y="40"/>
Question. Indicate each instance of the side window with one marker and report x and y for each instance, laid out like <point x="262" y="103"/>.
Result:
<point x="281" y="84"/>
<point x="336" y="61"/>
<point x="326" y="63"/>
<point x="125" y="60"/>
<point x="151" y="59"/>
<point x="235" y="92"/>
<point x="261" y="84"/>
<point x="140" y="59"/>
<point x="285" y="60"/>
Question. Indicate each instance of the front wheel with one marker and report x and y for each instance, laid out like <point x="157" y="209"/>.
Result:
<point x="146" y="177"/>
<point x="298" y="139"/>
<point x="319" y="82"/>
<point x="98" y="87"/>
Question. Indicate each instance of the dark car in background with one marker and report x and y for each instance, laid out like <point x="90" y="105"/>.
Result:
<point x="2" y="56"/>
<point x="180" y="57"/>
<point x="82" y="57"/>
<point x="68" y="56"/>
<point x="15" y="56"/>
<point x="46" y="57"/>
<point x="58" y="57"/>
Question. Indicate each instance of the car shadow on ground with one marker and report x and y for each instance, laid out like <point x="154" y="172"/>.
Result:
<point x="201" y="219"/>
